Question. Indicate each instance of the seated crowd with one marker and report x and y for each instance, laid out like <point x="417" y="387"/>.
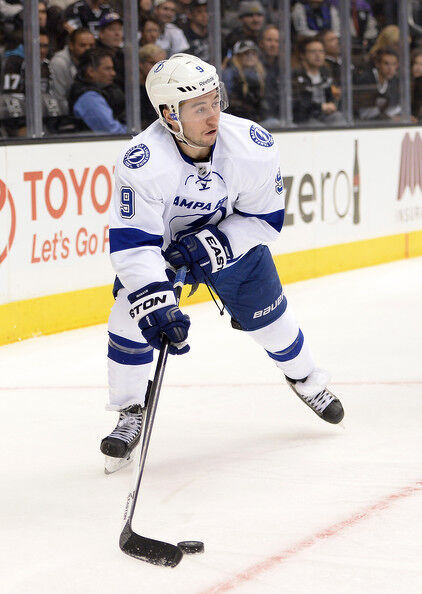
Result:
<point x="82" y="60"/>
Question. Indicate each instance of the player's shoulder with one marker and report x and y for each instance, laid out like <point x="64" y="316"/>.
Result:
<point x="246" y="139"/>
<point x="147" y="152"/>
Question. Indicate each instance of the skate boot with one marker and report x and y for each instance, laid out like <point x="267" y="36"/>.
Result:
<point x="119" y="446"/>
<point x="313" y="392"/>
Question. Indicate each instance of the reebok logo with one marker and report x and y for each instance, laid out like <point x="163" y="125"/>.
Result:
<point x="205" y="82"/>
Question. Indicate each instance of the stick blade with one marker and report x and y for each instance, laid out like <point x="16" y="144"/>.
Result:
<point x="152" y="551"/>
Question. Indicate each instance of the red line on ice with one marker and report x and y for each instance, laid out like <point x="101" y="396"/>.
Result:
<point x="252" y="572"/>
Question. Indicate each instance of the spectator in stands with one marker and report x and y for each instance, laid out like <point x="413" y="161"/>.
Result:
<point x="172" y="39"/>
<point x="269" y="56"/>
<point x="313" y="100"/>
<point x="313" y="16"/>
<point x="94" y="98"/>
<point x="110" y="36"/>
<point x="150" y="31"/>
<point x="8" y="11"/>
<point x="182" y="13"/>
<point x="55" y="28"/>
<point x="196" y="31"/>
<point x="149" y="55"/>
<point x="252" y="18"/>
<point x="416" y="65"/>
<point x="364" y="26"/>
<point x="415" y="22"/>
<point x="13" y="70"/>
<point x="85" y="14"/>
<point x="389" y="38"/>
<point x="13" y="83"/>
<point x="244" y="78"/>
<point x="42" y="14"/>
<point x="12" y="79"/>
<point x="63" y="3"/>
<point x="64" y="64"/>
<point x="376" y="91"/>
<point x="144" y="11"/>
<point x="332" y="55"/>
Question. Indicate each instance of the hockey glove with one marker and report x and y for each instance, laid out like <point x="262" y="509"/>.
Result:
<point x="203" y="253"/>
<point x="154" y="309"/>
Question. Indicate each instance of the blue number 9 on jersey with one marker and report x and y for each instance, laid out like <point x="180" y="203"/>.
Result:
<point x="127" y="203"/>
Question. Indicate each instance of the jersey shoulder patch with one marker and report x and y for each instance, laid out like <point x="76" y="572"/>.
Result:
<point x="136" y="156"/>
<point x="261" y="136"/>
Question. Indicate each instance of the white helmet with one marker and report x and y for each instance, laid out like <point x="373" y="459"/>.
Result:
<point x="177" y="79"/>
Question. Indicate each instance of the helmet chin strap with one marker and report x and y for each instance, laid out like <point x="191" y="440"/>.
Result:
<point x="180" y="135"/>
<point x="182" y="138"/>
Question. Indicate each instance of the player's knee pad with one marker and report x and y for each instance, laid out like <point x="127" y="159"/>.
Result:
<point x="279" y="334"/>
<point x="289" y="352"/>
<point x="296" y="360"/>
<point x="285" y="344"/>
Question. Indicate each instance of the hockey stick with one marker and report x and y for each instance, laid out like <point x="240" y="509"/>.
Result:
<point x="152" y="551"/>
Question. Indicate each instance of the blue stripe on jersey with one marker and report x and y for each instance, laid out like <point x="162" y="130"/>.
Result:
<point x="128" y="352"/>
<point x="291" y="352"/>
<point x="275" y="219"/>
<point x="127" y="238"/>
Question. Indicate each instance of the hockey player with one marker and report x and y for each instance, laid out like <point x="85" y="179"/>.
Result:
<point x="199" y="188"/>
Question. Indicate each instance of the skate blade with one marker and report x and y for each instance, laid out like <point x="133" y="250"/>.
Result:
<point x="112" y="465"/>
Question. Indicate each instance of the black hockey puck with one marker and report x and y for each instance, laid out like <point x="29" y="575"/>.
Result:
<point x="190" y="547"/>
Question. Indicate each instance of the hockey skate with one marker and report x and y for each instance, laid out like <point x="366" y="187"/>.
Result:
<point x="120" y="445"/>
<point x="312" y="391"/>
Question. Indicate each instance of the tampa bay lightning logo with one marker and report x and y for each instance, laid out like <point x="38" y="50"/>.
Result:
<point x="181" y="225"/>
<point x="159" y="66"/>
<point x="136" y="156"/>
<point x="278" y="182"/>
<point x="261" y="136"/>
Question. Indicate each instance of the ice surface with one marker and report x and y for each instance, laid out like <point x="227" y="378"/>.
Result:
<point x="283" y="501"/>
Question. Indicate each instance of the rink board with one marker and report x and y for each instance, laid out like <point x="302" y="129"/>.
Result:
<point x="353" y="199"/>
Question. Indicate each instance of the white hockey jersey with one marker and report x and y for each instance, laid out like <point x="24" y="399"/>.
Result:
<point x="160" y="193"/>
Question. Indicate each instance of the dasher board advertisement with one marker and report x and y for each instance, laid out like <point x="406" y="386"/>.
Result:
<point x="340" y="187"/>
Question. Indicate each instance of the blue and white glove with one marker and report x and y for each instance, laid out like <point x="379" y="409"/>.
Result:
<point x="203" y="253"/>
<point x="155" y="310"/>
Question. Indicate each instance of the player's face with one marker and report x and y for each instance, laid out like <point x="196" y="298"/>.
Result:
<point x="200" y="117"/>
